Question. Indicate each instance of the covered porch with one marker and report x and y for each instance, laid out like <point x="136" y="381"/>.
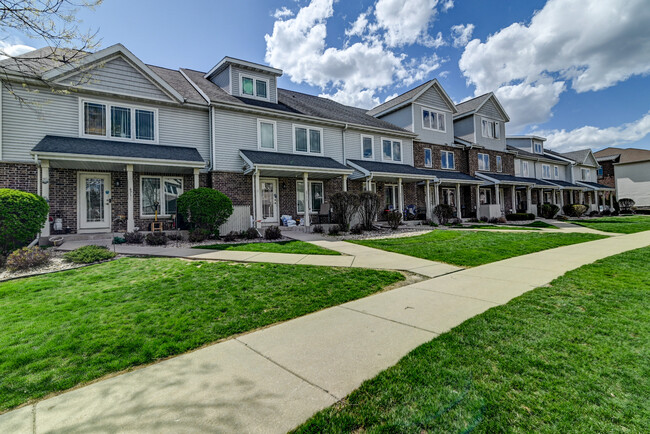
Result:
<point x="569" y="193"/>
<point x="455" y="189"/>
<point x="519" y="190"/>
<point x="292" y="186"/>
<point x="597" y="195"/>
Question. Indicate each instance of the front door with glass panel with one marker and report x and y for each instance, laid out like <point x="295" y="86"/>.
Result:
<point x="269" y="193"/>
<point x="95" y="201"/>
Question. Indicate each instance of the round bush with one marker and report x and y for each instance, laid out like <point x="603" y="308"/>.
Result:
<point x="27" y="257"/>
<point x="22" y="216"/>
<point x="89" y="254"/>
<point x="205" y="208"/>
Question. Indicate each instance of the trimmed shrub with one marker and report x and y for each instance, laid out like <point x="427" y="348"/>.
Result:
<point x="562" y="218"/>
<point x="574" y="209"/>
<point x="250" y="234"/>
<point x="484" y="219"/>
<point x="119" y="240"/>
<point x="594" y="214"/>
<point x="272" y="233"/>
<point x="520" y="216"/>
<point x="156" y="239"/>
<point x="394" y="219"/>
<point x="205" y="208"/>
<point x="22" y="215"/>
<point x="443" y="213"/>
<point x="502" y="220"/>
<point x="26" y="258"/>
<point x="174" y="236"/>
<point x="318" y="229"/>
<point x="197" y="235"/>
<point x="369" y="205"/>
<point x="494" y="220"/>
<point x="134" y="237"/>
<point x="455" y="221"/>
<point x="334" y="230"/>
<point x="626" y="205"/>
<point x="89" y="254"/>
<point x="548" y="211"/>
<point x="230" y="236"/>
<point x="607" y="212"/>
<point x="344" y="206"/>
<point x="356" y="230"/>
<point x="431" y="223"/>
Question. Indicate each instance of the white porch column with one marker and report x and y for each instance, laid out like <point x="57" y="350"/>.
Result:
<point x="514" y="199"/>
<point x="529" y="199"/>
<point x="596" y="194"/>
<point x="45" y="193"/>
<point x="257" y="205"/>
<point x="611" y="200"/>
<point x="478" y="201"/>
<point x="561" y="204"/>
<point x="582" y="197"/>
<point x="459" y="214"/>
<point x="305" y="182"/>
<point x="196" y="178"/>
<point x="436" y="194"/>
<point x="345" y="182"/>
<point x="130" y="222"/>
<point x="497" y="200"/>
<point x="427" y="199"/>
<point x="400" y="195"/>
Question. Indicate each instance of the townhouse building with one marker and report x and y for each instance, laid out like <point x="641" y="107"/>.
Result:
<point x="111" y="142"/>
<point x="628" y="171"/>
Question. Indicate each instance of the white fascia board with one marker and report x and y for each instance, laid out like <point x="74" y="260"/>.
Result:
<point x="111" y="159"/>
<point x="238" y="62"/>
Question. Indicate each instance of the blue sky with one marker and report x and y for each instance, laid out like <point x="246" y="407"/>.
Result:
<point x="576" y="72"/>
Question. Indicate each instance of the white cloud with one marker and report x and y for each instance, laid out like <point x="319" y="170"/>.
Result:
<point x="596" y="138"/>
<point x="358" y="27"/>
<point x="8" y="49"/>
<point x="283" y="12"/>
<point x="528" y="104"/>
<point x="447" y="4"/>
<point x="590" y="45"/>
<point x="405" y="21"/>
<point x="461" y="34"/>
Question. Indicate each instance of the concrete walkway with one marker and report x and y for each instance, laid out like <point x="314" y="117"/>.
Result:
<point x="273" y="379"/>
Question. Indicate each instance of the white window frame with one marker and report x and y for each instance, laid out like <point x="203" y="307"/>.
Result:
<point x="437" y="112"/>
<point x="517" y="167"/>
<point x="525" y="173"/>
<point x="255" y="80"/>
<point x="107" y="136"/>
<point x="499" y="162"/>
<point x="582" y="173"/>
<point x="496" y="129"/>
<point x="443" y="157"/>
<point x="372" y="143"/>
<point x="485" y="160"/>
<point x="546" y="168"/>
<point x="541" y="148"/>
<point x="392" y="143"/>
<point x="311" y="210"/>
<point x="373" y="186"/>
<point x="308" y="151"/>
<point x="556" y="172"/>
<point x="161" y="199"/>
<point x="430" y="165"/>
<point x="259" y="134"/>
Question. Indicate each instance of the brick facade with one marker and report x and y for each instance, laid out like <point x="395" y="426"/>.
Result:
<point x="507" y="161"/>
<point x="19" y="176"/>
<point x="607" y="178"/>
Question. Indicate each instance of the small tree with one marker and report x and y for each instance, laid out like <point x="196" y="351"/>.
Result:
<point x="548" y="211"/>
<point x="369" y="204"/>
<point x="205" y="208"/>
<point x="626" y="205"/>
<point x="22" y="215"/>
<point x="344" y="206"/>
<point x="443" y="213"/>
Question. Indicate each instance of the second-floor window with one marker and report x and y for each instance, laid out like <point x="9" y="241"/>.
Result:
<point x="432" y="120"/>
<point x="254" y="87"/>
<point x="490" y="129"/>
<point x="119" y="121"/>
<point x="600" y="172"/>
<point x="428" y="159"/>
<point x="266" y="134"/>
<point x="524" y="169"/>
<point x="367" y="147"/>
<point x="483" y="162"/>
<point x="585" y="174"/>
<point x="392" y="149"/>
<point x="499" y="164"/>
<point x="537" y="147"/>
<point x="447" y="160"/>
<point x="308" y="139"/>
<point x="517" y="167"/>
<point x="546" y="171"/>
<point x="556" y="172"/>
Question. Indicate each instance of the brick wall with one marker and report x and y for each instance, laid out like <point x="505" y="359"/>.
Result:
<point x="63" y="197"/>
<point x="507" y="160"/>
<point x="607" y="177"/>
<point x="19" y="176"/>
<point x="418" y="156"/>
<point x="237" y="186"/>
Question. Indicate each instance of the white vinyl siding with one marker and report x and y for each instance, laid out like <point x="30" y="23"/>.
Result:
<point x="353" y="146"/>
<point x="556" y="172"/>
<point x="447" y="160"/>
<point x="524" y="169"/>
<point x="307" y="140"/>
<point x="546" y="171"/>
<point x="586" y="174"/>
<point x="237" y="73"/>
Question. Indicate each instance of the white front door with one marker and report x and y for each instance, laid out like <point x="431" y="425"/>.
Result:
<point x="95" y="201"/>
<point x="269" y="191"/>
<point x="502" y="199"/>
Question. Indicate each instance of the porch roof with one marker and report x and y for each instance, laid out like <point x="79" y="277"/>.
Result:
<point x="380" y="170"/>
<point x="282" y="164"/>
<point x="596" y="186"/>
<point x="455" y="177"/>
<point x="567" y="185"/>
<point x="501" y="178"/>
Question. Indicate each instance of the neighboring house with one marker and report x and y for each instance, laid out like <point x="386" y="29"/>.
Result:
<point x="627" y="170"/>
<point x="584" y="172"/>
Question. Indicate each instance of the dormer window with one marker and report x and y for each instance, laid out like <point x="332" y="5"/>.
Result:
<point x="433" y="120"/>
<point x="490" y="129"/>
<point x="118" y="121"/>
<point x="254" y="87"/>
<point x="537" y="147"/>
<point x="585" y="174"/>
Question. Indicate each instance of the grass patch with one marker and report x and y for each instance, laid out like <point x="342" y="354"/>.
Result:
<point x="540" y="224"/>
<point x="510" y="228"/>
<point x="571" y="357"/>
<point x="67" y="328"/>
<point x="620" y="224"/>
<point x="292" y="246"/>
<point x="467" y="248"/>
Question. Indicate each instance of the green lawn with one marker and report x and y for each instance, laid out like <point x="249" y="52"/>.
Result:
<point x="510" y="228"/>
<point x="467" y="248"/>
<point x="621" y="225"/>
<point x="570" y="357"/>
<point x="67" y="328"/>
<point x="293" y="246"/>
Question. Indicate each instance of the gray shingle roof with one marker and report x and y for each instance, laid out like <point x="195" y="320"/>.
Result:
<point x="596" y="185"/>
<point x="176" y="80"/>
<point x="471" y="104"/>
<point x="379" y="167"/>
<point x="452" y="175"/>
<point x="110" y="148"/>
<point x="296" y="160"/>
<point x="564" y="184"/>
<point x="398" y="99"/>
<point x="36" y="63"/>
<point x="577" y="156"/>
<point x="527" y="154"/>
<point x="511" y="178"/>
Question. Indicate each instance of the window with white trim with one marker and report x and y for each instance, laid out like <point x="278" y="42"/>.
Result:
<point x="490" y="129"/>
<point x="428" y="159"/>
<point x="367" y="147"/>
<point x="524" y="169"/>
<point x="432" y="120"/>
<point x="599" y="171"/>
<point x="483" y="162"/>
<point x="307" y="139"/>
<point x="266" y="135"/>
<point x="537" y="148"/>
<point x="316" y="196"/>
<point x="546" y="171"/>
<point x="391" y="149"/>
<point x="159" y="193"/>
<point x="254" y="87"/>
<point x="373" y="187"/>
<point x="118" y="121"/>
<point x="499" y="164"/>
<point x="585" y="174"/>
<point x="517" y="167"/>
<point x="447" y="160"/>
<point x="556" y="172"/>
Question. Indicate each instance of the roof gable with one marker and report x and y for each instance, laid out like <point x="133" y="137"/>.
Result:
<point x="435" y="96"/>
<point x="476" y="105"/>
<point x="411" y="96"/>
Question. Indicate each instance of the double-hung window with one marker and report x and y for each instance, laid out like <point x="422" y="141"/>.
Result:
<point x="254" y="87"/>
<point x="517" y="167"/>
<point x="546" y="171"/>
<point x="483" y="162"/>
<point x="499" y="164"/>
<point x="432" y="120"/>
<point x="316" y="196"/>
<point x="585" y="174"/>
<point x="599" y="171"/>
<point x="490" y="129"/>
<point x="266" y="134"/>
<point x="537" y="147"/>
<point x="367" y="147"/>
<point x="447" y="160"/>
<point x="118" y="121"/>
<point x="307" y="139"/>
<point x="556" y="172"/>
<point x="159" y="193"/>
<point x="524" y="169"/>
<point x="392" y="149"/>
<point x="428" y="159"/>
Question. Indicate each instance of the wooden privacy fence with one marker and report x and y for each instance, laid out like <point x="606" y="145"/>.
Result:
<point x="240" y="220"/>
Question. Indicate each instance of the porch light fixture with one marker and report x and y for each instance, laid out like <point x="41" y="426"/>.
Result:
<point x="117" y="183"/>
